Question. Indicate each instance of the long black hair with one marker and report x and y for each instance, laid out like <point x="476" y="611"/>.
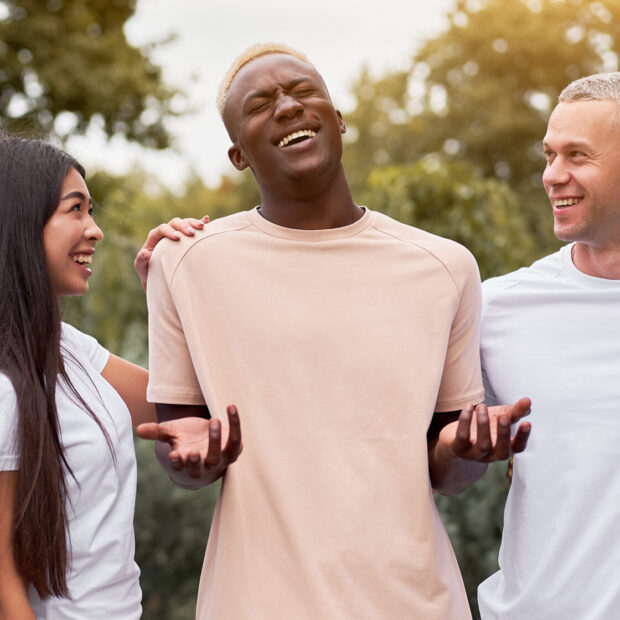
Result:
<point x="31" y="177"/>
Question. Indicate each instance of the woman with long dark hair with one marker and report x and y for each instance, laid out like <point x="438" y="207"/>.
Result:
<point x="67" y="464"/>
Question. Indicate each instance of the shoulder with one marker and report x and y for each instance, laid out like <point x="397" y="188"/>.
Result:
<point x="168" y="252"/>
<point x="80" y="347"/>
<point x="449" y="255"/>
<point x="537" y="274"/>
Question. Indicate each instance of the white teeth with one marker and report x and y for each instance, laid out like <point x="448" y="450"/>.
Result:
<point x="567" y="202"/>
<point x="308" y="133"/>
<point x="83" y="259"/>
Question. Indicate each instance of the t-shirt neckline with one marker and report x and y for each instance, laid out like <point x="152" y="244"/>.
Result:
<point x="324" y="234"/>
<point x="580" y="276"/>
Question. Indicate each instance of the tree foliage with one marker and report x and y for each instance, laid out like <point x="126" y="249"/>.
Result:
<point x="72" y="57"/>
<point x="482" y="91"/>
<point x="172" y="527"/>
<point x="453" y="200"/>
<point x="450" y="145"/>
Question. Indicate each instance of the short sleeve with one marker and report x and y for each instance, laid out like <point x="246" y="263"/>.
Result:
<point x="172" y="378"/>
<point x="461" y="382"/>
<point x="84" y="347"/>
<point x="9" y="453"/>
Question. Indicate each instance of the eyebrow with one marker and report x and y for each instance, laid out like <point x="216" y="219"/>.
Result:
<point x="570" y="145"/>
<point x="257" y="94"/>
<point x="77" y="194"/>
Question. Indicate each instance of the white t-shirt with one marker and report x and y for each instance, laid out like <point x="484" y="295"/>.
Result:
<point x="552" y="333"/>
<point x="103" y="576"/>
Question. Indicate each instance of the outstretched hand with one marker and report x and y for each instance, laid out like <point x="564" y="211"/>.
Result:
<point x="196" y="444"/>
<point x="171" y="230"/>
<point x="482" y="433"/>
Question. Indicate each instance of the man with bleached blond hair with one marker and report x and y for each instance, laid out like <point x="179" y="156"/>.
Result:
<point x="349" y="342"/>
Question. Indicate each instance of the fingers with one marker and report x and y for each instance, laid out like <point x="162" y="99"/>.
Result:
<point x="234" y="445"/>
<point x="503" y="445"/>
<point x="520" y="409"/>
<point x="187" y="225"/>
<point x="194" y="465"/>
<point x="214" y="452"/>
<point x="484" y="443"/>
<point x="519" y="441"/>
<point x="462" y="441"/>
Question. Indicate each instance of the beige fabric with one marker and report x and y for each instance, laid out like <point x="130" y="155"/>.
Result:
<point x="336" y="346"/>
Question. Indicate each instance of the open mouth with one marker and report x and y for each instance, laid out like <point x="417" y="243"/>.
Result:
<point x="566" y="202"/>
<point x="83" y="260"/>
<point x="296" y="137"/>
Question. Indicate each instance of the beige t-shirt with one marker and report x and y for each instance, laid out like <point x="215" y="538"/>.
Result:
<point x="336" y="346"/>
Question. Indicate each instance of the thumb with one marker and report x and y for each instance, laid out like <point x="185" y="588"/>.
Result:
<point x="151" y="430"/>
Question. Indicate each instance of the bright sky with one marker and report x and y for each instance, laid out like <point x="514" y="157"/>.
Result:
<point x="339" y="37"/>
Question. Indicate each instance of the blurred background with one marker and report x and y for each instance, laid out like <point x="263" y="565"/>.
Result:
<point x="445" y="104"/>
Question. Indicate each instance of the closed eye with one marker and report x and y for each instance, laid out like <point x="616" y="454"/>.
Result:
<point x="258" y="107"/>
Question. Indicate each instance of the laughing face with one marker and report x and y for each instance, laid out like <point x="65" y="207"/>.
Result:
<point x="69" y="238"/>
<point x="582" y="177"/>
<point x="283" y="125"/>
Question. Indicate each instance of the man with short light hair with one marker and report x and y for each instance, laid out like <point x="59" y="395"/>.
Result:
<point x="349" y="342"/>
<point x="555" y="328"/>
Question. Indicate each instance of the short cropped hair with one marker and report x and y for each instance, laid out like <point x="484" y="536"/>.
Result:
<point x="597" y="87"/>
<point x="250" y="54"/>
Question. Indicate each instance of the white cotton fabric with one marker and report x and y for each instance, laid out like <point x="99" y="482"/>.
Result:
<point x="103" y="577"/>
<point x="552" y="333"/>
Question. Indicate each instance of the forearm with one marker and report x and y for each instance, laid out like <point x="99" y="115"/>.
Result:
<point x="449" y="474"/>
<point x="14" y="601"/>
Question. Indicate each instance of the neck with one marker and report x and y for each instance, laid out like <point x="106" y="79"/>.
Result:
<point x="597" y="262"/>
<point x="310" y="207"/>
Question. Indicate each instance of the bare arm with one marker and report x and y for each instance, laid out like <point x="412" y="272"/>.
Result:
<point x="460" y="449"/>
<point x="14" y="602"/>
<point x="189" y="444"/>
<point x="130" y="381"/>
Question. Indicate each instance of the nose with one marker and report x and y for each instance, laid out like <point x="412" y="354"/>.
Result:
<point x="556" y="173"/>
<point x="287" y="107"/>
<point x="92" y="231"/>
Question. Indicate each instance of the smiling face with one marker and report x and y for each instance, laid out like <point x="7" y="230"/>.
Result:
<point x="283" y="125"/>
<point x="69" y="238"/>
<point x="582" y="177"/>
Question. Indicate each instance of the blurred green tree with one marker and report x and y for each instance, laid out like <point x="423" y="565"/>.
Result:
<point x="172" y="526"/>
<point x="482" y="91"/>
<point x="453" y="200"/>
<point x="70" y="59"/>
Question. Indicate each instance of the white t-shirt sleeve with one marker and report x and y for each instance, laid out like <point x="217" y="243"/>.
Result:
<point x="85" y="346"/>
<point x="9" y="453"/>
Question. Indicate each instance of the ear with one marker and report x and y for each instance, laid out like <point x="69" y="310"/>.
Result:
<point x="343" y="127"/>
<point x="237" y="158"/>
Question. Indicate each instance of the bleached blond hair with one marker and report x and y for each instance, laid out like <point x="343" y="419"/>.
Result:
<point x="250" y="54"/>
